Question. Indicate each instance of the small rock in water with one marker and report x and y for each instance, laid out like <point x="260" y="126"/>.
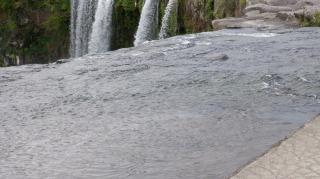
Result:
<point x="63" y="61"/>
<point x="220" y="57"/>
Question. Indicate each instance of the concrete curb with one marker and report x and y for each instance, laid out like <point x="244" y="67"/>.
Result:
<point x="246" y="171"/>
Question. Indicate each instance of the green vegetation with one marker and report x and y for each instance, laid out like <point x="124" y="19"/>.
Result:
<point x="243" y="3"/>
<point x="125" y="21"/>
<point x="209" y="13"/>
<point x="172" y="29"/>
<point x="38" y="31"/>
<point x="226" y="8"/>
<point x="34" y="31"/>
<point x="313" y="21"/>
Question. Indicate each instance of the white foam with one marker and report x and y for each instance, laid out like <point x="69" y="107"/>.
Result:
<point x="259" y="35"/>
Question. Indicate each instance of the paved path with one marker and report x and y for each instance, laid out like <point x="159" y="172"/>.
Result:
<point x="296" y="157"/>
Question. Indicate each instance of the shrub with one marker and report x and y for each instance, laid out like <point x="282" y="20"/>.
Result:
<point x="315" y="20"/>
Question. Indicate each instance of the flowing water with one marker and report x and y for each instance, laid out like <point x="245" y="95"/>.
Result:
<point x="193" y="106"/>
<point x="148" y="24"/>
<point x="72" y="49"/>
<point x="91" y="27"/>
<point x="83" y="28"/>
<point x="163" y="31"/>
<point x="102" y="27"/>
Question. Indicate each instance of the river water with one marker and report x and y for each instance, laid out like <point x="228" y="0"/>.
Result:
<point x="193" y="106"/>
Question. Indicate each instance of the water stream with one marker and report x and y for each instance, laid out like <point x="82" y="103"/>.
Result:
<point x="102" y="27"/>
<point x="163" y="31"/>
<point x="72" y="49"/>
<point x="83" y="28"/>
<point x="148" y="24"/>
<point x="192" y="106"/>
<point x="91" y="26"/>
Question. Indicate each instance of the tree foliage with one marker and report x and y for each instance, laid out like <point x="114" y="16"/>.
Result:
<point x="35" y="30"/>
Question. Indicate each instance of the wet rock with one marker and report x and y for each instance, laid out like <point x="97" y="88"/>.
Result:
<point x="63" y="61"/>
<point x="287" y="15"/>
<point x="219" y="57"/>
<point x="308" y="12"/>
<point x="267" y="8"/>
<point x="228" y="23"/>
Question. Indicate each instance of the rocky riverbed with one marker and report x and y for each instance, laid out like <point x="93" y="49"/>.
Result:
<point x="193" y="106"/>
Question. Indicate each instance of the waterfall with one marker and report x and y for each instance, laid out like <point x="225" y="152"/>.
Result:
<point x="148" y="24"/>
<point x="163" y="31"/>
<point x="90" y="29"/>
<point x="101" y="30"/>
<point x="83" y="25"/>
<point x="74" y="5"/>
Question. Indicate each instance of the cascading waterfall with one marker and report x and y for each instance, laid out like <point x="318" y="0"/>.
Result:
<point x="85" y="10"/>
<point x="102" y="27"/>
<point x="72" y="49"/>
<point x="148" y="24"/>
<point x="90" y="26"/>
<point x="163" y="31"/>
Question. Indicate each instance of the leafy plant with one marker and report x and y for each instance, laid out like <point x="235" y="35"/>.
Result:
<point x="315" y="20"/>
<point x="209" y="13"/>
<point x="33" y="41"/>
<point x="243" y="3"/>
<point x="226" y="8"/>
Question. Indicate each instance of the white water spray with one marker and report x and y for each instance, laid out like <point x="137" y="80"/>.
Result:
<point x="163" y="31"/>
<point x="148" y="25"/>
<point x="74" y="5"/>
<point x="102" y="27"/>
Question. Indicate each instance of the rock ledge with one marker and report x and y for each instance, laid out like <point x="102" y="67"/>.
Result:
<point x="271" y="14"/>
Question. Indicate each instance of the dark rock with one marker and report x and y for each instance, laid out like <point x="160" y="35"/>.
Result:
<point x="286" y="15"/>
<point x="63" y="61"/>
<point x="228" y="23"/>
<point x="308" y="12"/>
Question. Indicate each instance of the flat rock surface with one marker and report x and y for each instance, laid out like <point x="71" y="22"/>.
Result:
<point x="296" y="157"/>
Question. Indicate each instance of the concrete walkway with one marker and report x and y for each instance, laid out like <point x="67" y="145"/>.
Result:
<point x="296" y="157"/>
